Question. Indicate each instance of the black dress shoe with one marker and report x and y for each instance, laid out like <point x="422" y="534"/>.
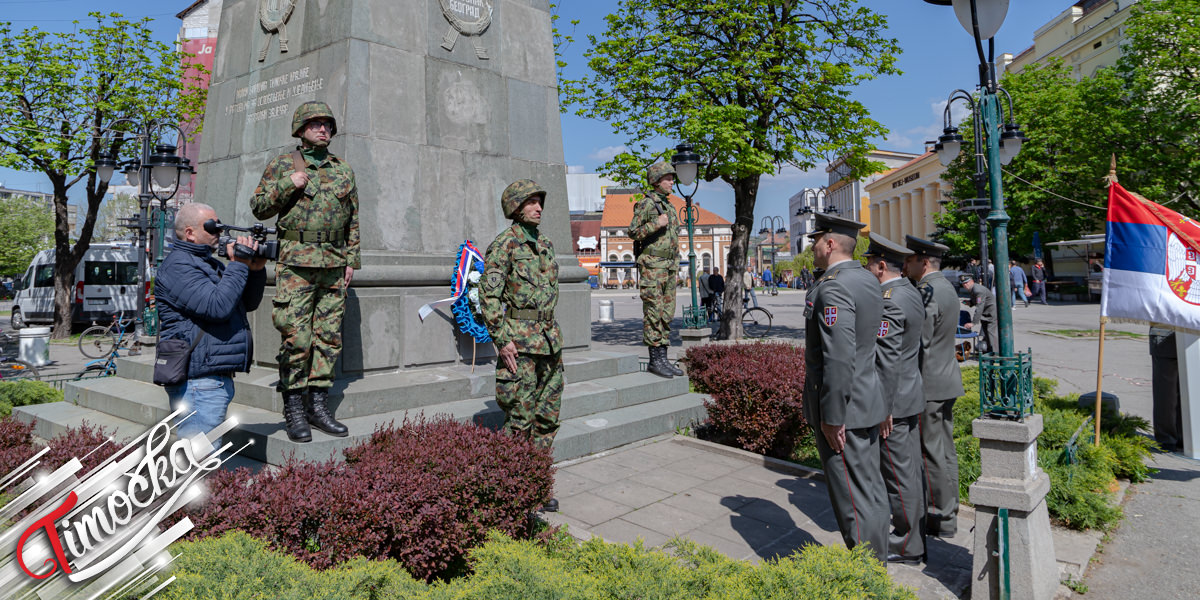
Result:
<point x="551" y="505"/>
<point x="906" y="560"/>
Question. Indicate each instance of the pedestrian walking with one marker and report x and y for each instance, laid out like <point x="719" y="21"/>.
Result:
<point x="716" y="288"/>
<point x="843" y="401"/>
<point x="655" y="233"/>
<point x="897" y="364"/>
<point x="748" y="289"/>
<point x="985" y="314"/>
<point x="1019" y="281"/>
<point x="1037" y="280"/>
<point x="942" y="382"/>
<point x="315" y="197"/>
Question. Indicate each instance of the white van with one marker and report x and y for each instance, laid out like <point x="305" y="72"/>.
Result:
<point x="106" y="283"/>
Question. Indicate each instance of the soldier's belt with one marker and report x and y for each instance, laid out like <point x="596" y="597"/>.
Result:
<point x="312" y="237"/>
<point x="661" y="252"/>
<point x="530" y="314"/>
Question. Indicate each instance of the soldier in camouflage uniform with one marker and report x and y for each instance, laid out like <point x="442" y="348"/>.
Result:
<point x="316" y="201"/>
<point x="520" y="291"/>
<point x="655" y="232"/>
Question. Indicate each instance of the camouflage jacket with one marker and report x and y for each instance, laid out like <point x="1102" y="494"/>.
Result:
<point x="520" y="274"/>
<point x="663" y="249"/>
<point x="328" y="203"/>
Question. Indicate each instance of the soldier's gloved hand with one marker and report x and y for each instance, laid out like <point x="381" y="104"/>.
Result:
<point x="835" y="436"/>
<point x="662" y="221"/>
<point x="508" y="355"/>
<point x="299" y="179"/>
<point x="885" y="428"/>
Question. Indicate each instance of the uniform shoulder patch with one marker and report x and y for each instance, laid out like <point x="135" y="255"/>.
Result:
<point x="493" y="281"/>
<point x="830" y="315"/>
<point x="883" y="328"/>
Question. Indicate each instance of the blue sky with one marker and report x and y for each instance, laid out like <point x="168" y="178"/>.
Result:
<point x="938" y="57"/>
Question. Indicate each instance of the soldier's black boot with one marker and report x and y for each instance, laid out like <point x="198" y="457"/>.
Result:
<point x="293" y="416"/>
<point x="676" y="371"/>
<point x="319" y="415"/>
<point x="658" y="364"/>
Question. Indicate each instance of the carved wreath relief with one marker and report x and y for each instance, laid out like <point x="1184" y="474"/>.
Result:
<point x="467" y="17"/>
<point x="273" y="15"/>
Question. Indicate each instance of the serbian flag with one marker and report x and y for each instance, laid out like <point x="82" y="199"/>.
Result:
<point x="1151" y="263"/>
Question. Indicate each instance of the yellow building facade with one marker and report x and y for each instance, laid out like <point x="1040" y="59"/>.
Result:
<point x="1087" y="36"/>
<point x="906" y="200"/>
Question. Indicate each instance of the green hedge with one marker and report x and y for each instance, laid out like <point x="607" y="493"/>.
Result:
<point x="25" y="393"/>
<point x="1081" y="494"/>
<point x="239" y="566"/>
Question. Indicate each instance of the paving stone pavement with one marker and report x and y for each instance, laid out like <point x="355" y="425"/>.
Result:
<point x="743" y="505"/>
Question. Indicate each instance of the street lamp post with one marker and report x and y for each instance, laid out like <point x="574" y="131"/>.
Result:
<point x="157" y="164"/>
<point x="768" y="227"/>
<point x="687" y="165"/>
<point x="1013" y="550"/>
<point x="815" y="207"/>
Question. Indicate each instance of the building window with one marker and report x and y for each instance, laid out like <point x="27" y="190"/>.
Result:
<point x="628" y="257"/>
<point x="1097" y="45"/>
<point x="706" y="261"/>
<point x="612" y="258"/>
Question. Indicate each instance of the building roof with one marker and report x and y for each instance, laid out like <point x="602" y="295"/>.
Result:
<point x="914" y="161"/>
<point x="183" y="13"/>
<point x="618" y="210"/>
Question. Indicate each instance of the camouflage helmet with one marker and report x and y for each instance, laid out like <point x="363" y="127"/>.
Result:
<point x="518" y="192"/>
<point x="659" y="170"/>
<point x="309" y="111"/>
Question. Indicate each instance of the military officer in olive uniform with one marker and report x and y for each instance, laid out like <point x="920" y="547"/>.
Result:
<point x="314" y="195"/>
<point x="897" y="355"/>
<point x="984" y="322"/>
<point x="843" y="401"/>
<point x="942" y="382"/>
<point x="520" y="292"/>
<point x="655" y="232"/>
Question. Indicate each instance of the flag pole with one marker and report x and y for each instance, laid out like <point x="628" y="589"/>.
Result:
<point x="1111" y="179"/>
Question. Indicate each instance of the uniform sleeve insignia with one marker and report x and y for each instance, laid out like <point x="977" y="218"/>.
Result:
<point x="493" y="281"/>
<point x="830" y="315"/>
<point x="883" y="328"/>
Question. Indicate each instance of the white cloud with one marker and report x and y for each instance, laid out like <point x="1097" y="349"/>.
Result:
<point x="607" y="153"/>
<point x="576" y="169"/>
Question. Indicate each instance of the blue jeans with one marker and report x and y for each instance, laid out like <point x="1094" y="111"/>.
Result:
<point x="208" y="396"/>
<point x="1019" y="292"/>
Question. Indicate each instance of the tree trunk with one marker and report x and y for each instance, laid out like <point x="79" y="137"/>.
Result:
<point x="745" y="193"/>
<point x="64" y="264"/>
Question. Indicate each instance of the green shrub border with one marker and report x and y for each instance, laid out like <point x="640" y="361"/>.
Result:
<point x="26" y="393"/>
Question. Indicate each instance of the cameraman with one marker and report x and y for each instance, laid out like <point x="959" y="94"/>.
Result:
<point x="200" y="295"/>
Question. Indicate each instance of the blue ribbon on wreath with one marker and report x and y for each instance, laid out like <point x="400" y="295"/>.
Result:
<point x="469" y="259"/>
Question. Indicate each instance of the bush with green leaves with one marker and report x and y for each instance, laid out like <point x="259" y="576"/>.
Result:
<point x="237" y="565"/>
<point x="26" y="393"/>
<point x="1081" y="492"/>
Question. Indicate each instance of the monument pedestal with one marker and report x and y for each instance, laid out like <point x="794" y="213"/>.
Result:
<point x="1013" y="547"/>
<point x="695" y="337"/>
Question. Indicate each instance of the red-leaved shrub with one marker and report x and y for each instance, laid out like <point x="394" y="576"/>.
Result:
<point x="424" y="493"/>
<point x="756" y="393"/>
<point x="17" y="446"/>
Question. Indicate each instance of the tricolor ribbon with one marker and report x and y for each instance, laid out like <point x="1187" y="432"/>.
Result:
<point x="467" y="255"/>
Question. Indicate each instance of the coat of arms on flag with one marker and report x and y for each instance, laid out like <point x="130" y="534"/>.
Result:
<point x="830" y="315"/>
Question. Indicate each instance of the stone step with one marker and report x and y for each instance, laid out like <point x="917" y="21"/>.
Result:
<point x="53" y="419"/>
<point x="579" y="436"/>
<point x="416" y="388"/>
<point x="146" y="403"/>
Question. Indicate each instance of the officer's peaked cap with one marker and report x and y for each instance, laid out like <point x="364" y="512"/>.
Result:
<point x="826" y="223"/>
<point x="882" y="247"/>
<point x="925" y="247"/>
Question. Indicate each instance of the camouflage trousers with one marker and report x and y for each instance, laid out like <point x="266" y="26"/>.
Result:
<point x="657" y="289"/>
<point x="307" y="310"/>
<point x="531" y="397"/>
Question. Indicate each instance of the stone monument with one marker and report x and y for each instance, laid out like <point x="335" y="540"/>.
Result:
<point x="440" y="104"/>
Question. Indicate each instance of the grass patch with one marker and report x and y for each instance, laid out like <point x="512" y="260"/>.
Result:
<point x="1095" y="333"/>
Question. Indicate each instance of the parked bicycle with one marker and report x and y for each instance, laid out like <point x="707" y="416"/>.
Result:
<point x="756" y="321"/>
<point x="11" y="367"/>
<point x="98" y="341"/>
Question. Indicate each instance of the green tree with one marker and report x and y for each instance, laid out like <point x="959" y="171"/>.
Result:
<point x="755" y="85"/>
<point x="61" y="91"/>
<point x="27" y="227"/>
<point x="109" y="226"/>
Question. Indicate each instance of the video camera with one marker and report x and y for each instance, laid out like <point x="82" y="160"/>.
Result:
<point x="268" y="249"/>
